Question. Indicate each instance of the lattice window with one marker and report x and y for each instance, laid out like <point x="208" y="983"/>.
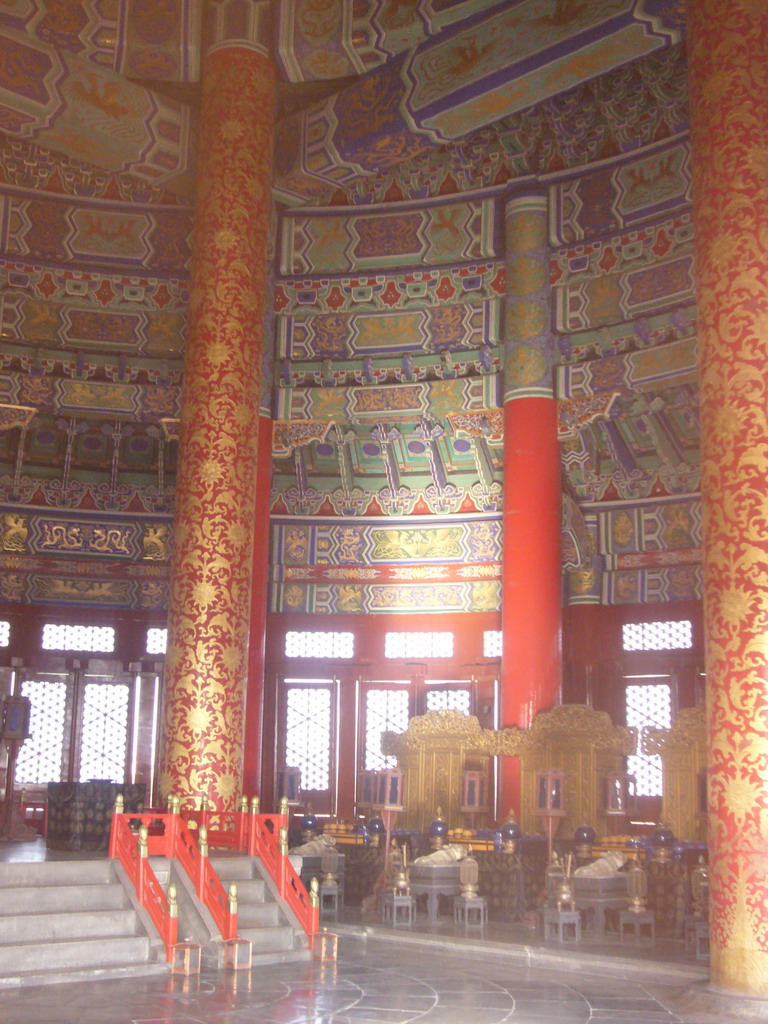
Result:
<point x="104" y="731"/>
<point x="308" y="734"/>
<point x="157" y="641"/>
<point x="648" y="705"/>
<point x="385" y="711"/>
<point x="41" y="758"/>
<point x="492" y="643"/>
<point x="449" y="700"/>
<point x="418" y="645"/>
<point x="5" y="633"/>
<point x="658" y="636"/>
<point x="318" y="644"/>
<point x="97" y="639"/>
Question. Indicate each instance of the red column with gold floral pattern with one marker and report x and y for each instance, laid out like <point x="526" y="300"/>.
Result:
<point x="207" y="662"/>
<point x="728" y="72"/>
<point x="531" y="591"/>
<point x="254" y="709"/>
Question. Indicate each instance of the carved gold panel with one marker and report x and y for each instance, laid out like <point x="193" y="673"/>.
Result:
<point x="683" y="752"/>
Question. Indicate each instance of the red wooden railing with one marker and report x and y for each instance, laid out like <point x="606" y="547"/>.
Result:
<point x="132" y="852"/>
<point x="169" y="837"/>
<point x="264" y="836"/>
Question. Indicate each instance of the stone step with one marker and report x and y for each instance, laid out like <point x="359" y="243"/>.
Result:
<point x="265" y="940"/>
<point x="234" y="868"/>
<point x="54" y="898"/>
<point x="281" y="956"/>
<point x="56" y="872"/>
<point x="249" y="890"/>
<point x="26" y="979"/>
<point x="38" y="927"/>
<point x="76" y="954"/>
<point x="257" y="915"/>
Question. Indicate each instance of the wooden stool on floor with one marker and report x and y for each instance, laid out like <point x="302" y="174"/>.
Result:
<point x="696" y="935"/>
<point x="329" y="901"/>
<point x="638" y="925"/>
<point x="562" y="925"/>
<point x="396" y="908"/>
<point x="470" y="910"/>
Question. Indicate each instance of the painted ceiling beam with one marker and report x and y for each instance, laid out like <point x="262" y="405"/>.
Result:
<point x="350" y="37"/>
<point x="72" y="106"/>
<point x="135" y="38"/>
<point x="466" y="78"/>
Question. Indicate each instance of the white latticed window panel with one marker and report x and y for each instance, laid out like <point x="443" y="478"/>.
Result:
<point x="658" y="636"/>
<point x="385" y="711"/>
<point x="448" y="700"/>
<point x="308" y="734"/>
<point x="40" y="759"/>
<point x="491" y="643"/>
<point x="648" y="705"/>
<point x="319" y="645"/>
<point x="418" y="645"/>
<point x="105" y="731"/>
<point x="157" y="641"/>
<point x="646" y="769"/>
<point x="97" y="639"/>
<point x="5" y="633"/>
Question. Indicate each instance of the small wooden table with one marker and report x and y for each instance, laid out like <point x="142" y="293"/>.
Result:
<point x="598" y="894"/>
<point x="434" y="880"/>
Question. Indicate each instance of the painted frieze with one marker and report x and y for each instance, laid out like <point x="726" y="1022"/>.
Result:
<point x="433" y="235"/>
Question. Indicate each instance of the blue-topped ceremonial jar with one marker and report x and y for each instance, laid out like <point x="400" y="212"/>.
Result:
<point x="309" y="826"/>
<point x="584" y="837"/>
<point x="511" y="832"/>
<point x="438" y="830"/>
<point x="662" y="840"/>
<point x="376" y="829"/>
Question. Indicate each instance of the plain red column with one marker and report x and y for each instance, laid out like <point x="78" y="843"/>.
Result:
<point x="531" y="588"/>
<point x="728" y="78"/>
<point x="209" y="615"/>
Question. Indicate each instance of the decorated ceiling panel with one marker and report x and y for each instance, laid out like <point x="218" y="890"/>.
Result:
<point x="76" y="107"/>
<point x="320" y="40"/>
<point x="477" y="282"/>
<point x="387" y="487"/>
<point x="439" y="234"/>
<point x="138" y="38"/>
<point x="342" y="336"/>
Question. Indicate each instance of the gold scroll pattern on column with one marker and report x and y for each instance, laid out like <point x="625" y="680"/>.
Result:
<point x="728" y="86"/>
<point x="206" y="668"/>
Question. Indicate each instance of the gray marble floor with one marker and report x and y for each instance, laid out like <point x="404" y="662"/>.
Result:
<point x="373" y="982"/>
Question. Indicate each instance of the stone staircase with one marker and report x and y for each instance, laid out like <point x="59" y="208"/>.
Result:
<point x="260" y="916"/>
<point x="72" y="920"/>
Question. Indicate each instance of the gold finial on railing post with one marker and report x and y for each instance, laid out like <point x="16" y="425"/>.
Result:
<point x="202" y="840"/>
<point x="173" y="903"/>
<point x="243" y="804"/>
<point x="284" y="806"/>
<point x="174" y="803"/>
<point x="314" y="894"/>
<point x="143" y="841"/>
<point x="255" y="805"/>
<point x="204" y="805"/>
<point x="119" y="804"/>
<point x="282" y="843"/>
<point x="232" y="893"/>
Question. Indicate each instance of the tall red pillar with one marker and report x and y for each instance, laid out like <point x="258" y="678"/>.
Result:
<point x="531" y="589"/>
<point x="728" y="77"/>
<point x="254" y="710"/>
<point x="209" y="616"/>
